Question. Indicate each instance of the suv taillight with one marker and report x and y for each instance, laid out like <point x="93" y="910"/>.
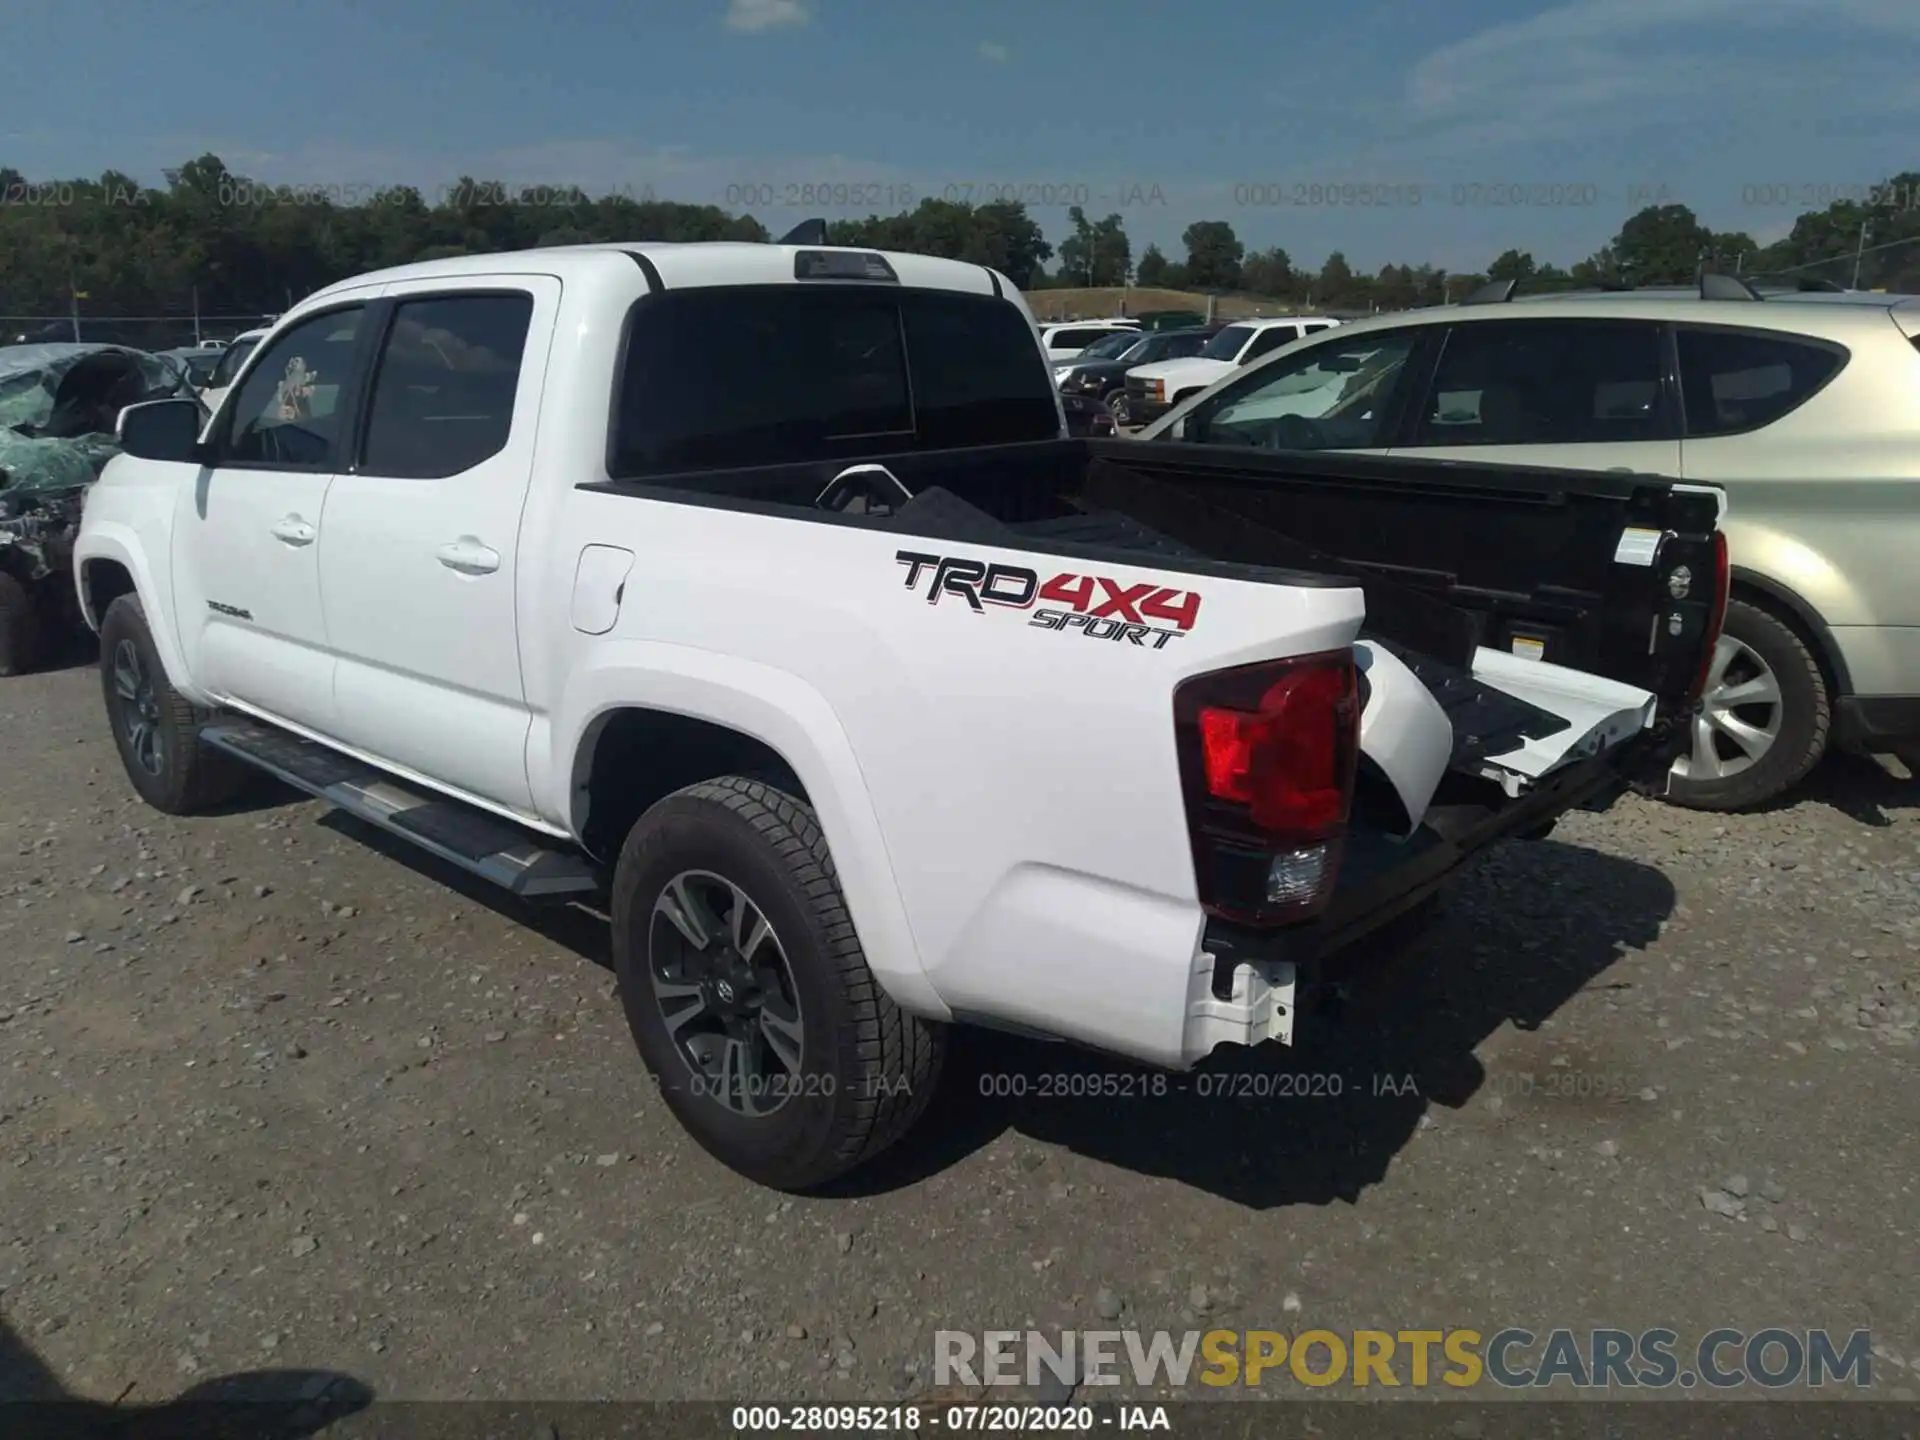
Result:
<point x="1267" y="760"/>
<point x="1717" y="617"/>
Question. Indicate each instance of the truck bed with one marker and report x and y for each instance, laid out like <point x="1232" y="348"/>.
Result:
<point x="1555" y="565"/>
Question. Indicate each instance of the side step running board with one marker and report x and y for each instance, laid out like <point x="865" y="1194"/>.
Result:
<point x="477" y="842"/>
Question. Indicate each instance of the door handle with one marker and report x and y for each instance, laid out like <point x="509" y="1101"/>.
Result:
<point x="293" y="530"/>
<point x="469" y="556"/>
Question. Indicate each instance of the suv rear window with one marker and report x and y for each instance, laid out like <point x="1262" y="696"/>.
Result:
<point x="1545" y="382"/>
<point x="1735" y="380"/>
<point x="771" y="375"/>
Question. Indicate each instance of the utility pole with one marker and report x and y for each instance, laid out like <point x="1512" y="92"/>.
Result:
<point x="196" y="315"/>
<point x="1859" y="250"/>
<point x="73" y="305"/>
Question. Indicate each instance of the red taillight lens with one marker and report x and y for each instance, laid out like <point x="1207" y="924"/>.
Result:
<point x="1284" y="761"/>
<point x="1268" y="754"/>
<point x="1717" y="618"/>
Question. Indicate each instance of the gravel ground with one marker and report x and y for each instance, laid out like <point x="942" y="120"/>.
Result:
<point x="274" y="1094"/>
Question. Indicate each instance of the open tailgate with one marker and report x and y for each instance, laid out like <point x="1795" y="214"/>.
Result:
<point x="1548" y="615"/>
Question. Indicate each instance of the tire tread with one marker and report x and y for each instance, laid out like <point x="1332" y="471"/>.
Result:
<point x="898" y="1056"/>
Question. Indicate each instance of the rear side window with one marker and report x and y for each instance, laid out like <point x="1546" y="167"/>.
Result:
<point x="737" y="377"/>
<point x="1735" y="380"/>
<point x="443" y="392"/>
<point x="1545" y="382"/>
<point x="1076" y="339"/>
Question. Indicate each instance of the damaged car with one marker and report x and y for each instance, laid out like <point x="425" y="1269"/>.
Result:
<point x="58" y="407"/>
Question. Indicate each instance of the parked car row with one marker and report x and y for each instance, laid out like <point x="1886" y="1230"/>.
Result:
<point x="1804" y="407"/>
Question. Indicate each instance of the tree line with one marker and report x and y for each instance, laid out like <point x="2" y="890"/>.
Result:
<point x="240" y="247"/>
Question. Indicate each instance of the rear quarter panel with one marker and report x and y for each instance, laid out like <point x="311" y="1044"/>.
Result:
<point x="1002" y="797"/>
<point x="1825" y="505"/>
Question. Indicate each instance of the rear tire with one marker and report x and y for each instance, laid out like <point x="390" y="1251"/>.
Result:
<point x="22" y="639"/>
<point x="1765" y="720"/>
<point x="156" y="730"/>
<point x="852" y="1072"/>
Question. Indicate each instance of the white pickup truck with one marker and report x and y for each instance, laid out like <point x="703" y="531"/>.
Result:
<point x="759" y="590"/>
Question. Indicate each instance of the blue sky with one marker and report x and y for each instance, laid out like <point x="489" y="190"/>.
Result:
<point x="1744" y="109"/>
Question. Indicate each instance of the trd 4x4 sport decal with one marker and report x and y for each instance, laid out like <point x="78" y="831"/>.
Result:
<point x="1090" y="605"/>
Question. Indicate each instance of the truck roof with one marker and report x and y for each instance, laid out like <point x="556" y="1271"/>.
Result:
<point x="683" y="264"/>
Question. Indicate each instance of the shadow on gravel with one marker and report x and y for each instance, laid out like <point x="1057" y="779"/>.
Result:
<point x="257" y="1404"/>
<point x="576" y="927"/>
<point x="1524" y="931"/>
<point x="1859" y="788"/>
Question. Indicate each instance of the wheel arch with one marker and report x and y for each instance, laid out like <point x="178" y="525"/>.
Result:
<point x="638" y="720"/>
<point x="1794" y="610"/>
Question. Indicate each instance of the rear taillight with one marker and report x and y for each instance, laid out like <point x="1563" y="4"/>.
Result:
<point x="1717" y="617"/>
<point x="1267" y="760"/>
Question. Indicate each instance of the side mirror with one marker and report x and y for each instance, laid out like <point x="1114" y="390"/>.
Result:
<point x="1341" y="364"/>
<point x="162" y="430"/>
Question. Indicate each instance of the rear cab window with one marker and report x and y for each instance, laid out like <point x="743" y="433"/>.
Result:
<point x="1733" y="381"/>
<point x="770" y="375"/>
<point x="1077" y="339"/>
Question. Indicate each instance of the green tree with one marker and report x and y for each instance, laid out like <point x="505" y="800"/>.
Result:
<point x="1513" y="265"/>
<point x="1335" y="285"/>
<point x="1269" y="272"/>
<point x="1213" y="255"/>
<point x="1097" y="252"/>
<point x="1152" y="269"/>
<point x="1661" y="245"/>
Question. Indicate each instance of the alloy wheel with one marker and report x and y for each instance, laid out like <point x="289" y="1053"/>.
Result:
<point x="726" y="993"/>
<point x="1739" y="718"/>
<point x="139" y="708"/>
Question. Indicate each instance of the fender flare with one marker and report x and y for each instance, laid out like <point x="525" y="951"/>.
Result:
<point x="786" y="713"/>
<point x="113" y="541"/>
<point x="1826" y="647"/>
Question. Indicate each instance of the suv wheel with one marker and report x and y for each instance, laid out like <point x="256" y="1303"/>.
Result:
<point x="1764" y="720"/>
<point x="1116" y="403"/>
<point x="747" y="992"/>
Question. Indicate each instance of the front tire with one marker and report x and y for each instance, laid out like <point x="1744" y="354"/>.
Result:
<point x="1764" y="721"/>
<point x="1116" y="403"/>
<point x="748" y="994"/>
<point x="157" y="731"/>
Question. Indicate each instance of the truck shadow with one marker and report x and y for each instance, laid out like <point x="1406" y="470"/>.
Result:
<point x="1526" y="928"/>
<point x="267" y="1404"/>
<point x="1532" y="925"/>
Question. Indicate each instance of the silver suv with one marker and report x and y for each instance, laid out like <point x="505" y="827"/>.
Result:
<point x="1805" y="407"/>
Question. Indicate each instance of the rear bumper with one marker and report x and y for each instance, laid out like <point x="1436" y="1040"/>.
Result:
<point x="1382" y="882"/>
<point x="1876" y="722"/>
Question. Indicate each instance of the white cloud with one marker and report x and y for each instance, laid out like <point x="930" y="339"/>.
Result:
<point x="752" y="16"/>
<point x="996" y="52"/>
<point x="1597" y="67"/>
